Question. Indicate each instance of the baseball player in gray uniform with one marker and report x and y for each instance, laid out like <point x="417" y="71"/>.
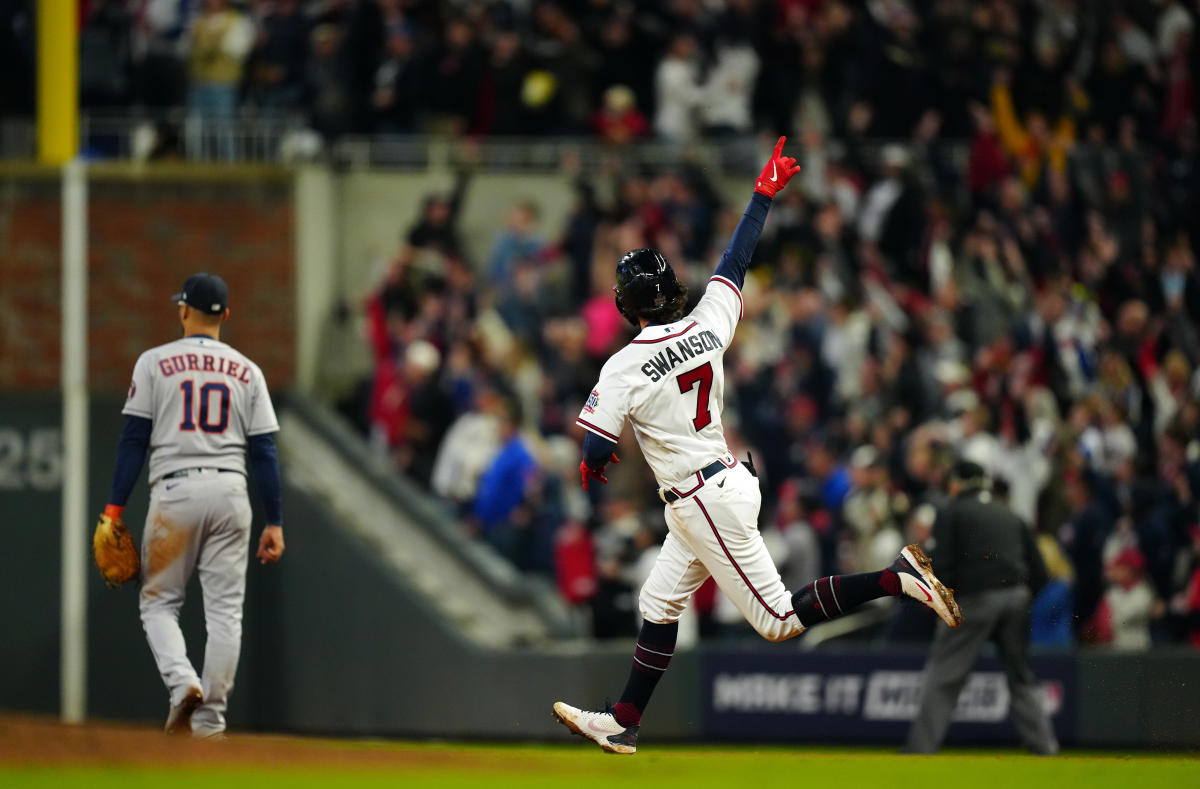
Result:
<point x="202" y="410"/>
<point x="669" y="384"/>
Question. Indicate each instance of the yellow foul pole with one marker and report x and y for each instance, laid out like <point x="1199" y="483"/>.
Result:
<point x="58" y="146"/>
<point x="57" y="80"/>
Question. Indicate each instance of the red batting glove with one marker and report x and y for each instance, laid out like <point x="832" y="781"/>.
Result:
<point x="586" y="472"/>
<point x="777" y="172"/>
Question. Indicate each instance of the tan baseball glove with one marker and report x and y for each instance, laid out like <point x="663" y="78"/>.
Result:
<point x="114" y="550"/>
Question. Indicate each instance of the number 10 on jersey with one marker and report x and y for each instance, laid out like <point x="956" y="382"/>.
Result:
<point x="204" y="418"/>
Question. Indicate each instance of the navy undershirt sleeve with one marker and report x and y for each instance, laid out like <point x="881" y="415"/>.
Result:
<point x="597" y="450"/>
<point x="737" y="256"/>
<point x="131" y="455"/>
<point x="264" y="464"/>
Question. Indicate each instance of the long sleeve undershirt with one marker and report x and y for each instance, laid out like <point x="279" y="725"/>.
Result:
<point x="736" y="259"/>
<point x="131" y="456"/>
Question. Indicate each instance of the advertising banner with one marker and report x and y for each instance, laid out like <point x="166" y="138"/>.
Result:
<point x="863" y="697"/>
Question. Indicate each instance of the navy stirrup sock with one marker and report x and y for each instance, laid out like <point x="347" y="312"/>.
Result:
<point x="834" y="595"/>
<point x="651" y="656"/>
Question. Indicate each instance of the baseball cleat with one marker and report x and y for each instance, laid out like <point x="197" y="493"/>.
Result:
<point x="179" y="720"/>
<point x="918" y="582"/>
<point x="599" y="727"/>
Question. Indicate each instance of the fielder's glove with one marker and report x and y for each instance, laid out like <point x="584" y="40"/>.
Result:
<point x="777" y="172"/>
<point x="113" y="548"/>
<point x="586" y="472"/>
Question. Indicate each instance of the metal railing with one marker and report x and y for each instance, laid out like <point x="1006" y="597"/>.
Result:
<point x="287" y="139"/>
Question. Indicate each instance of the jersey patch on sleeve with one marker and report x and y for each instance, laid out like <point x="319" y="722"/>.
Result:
<point x="592" y="401"/>
<point x="132" y="390"/>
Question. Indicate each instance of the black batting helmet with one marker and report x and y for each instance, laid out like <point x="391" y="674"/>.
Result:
<point x="648" y="288"/>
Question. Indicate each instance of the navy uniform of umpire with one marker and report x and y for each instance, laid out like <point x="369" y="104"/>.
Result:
<point x="989" y="557"/>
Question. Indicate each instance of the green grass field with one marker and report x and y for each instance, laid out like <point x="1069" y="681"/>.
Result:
<point x="378" y="764"/>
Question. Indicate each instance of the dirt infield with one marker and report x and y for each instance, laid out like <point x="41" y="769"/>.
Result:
<point x="44" y="742"/>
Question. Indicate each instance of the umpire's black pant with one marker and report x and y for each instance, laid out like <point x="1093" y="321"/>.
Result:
<point x="1003" y="616"/>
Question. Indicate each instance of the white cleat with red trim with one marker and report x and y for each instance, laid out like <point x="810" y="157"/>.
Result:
<point x="599" y="727"/>
<point x="918" y="582"/>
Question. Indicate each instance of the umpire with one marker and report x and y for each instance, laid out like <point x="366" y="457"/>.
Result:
<point x="988" y="555"/>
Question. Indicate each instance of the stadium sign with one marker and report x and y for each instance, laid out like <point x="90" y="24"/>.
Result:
<point x="867" y="697"/>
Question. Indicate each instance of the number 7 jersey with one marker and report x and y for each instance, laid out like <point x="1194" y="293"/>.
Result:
<point x="204" y="399"/>
<point x="669" y="383"/>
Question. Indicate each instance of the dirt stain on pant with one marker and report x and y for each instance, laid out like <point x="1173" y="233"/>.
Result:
<point x="168" y="540"/>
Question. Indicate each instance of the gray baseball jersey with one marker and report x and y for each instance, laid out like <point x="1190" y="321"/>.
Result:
<point x="205" y="399"/>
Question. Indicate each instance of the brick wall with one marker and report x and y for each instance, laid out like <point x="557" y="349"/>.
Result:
<point x="145" y="237"/>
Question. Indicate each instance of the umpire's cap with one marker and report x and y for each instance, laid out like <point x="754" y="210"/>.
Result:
<point x="648" y="288"/>
<point x="204" y="292"/>
<point x="968" y="472"/>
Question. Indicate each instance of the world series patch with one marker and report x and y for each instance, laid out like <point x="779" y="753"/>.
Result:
<point x="592" y="401"/>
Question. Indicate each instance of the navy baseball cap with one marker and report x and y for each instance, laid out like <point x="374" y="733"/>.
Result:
<point x="204" y="292"/>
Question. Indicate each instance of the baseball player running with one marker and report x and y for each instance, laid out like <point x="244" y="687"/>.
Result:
<point x="669" y="384"/>
<point x="201" y="408"/>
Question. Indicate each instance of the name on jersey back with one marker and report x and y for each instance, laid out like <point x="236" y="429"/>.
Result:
<point x="666" y="360"/>
<point x="204" y="363"/>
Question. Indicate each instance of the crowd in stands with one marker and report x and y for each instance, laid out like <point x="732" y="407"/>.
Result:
<point x="624" y="69"/>
<point x="1033" y="305"/>
<point x="1011" y="279"/>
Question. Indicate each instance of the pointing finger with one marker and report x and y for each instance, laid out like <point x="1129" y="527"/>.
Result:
<point x="779" y="147"/>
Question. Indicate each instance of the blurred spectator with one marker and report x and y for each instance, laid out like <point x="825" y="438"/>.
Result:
<point x="677" y="91"/>
<point x="325" y="83"/>
<point x="729" y="88"/>
<point x="399" y="84"/>
<point x="278" y="62"/>
<point x="515" y="244"/>
<point x="618" y="120"/>
<point x="105" y="50"/>
<point x="159" y="50"/>
<point x="505" y="481"/>
<point x="1186" y="603"/>
<point x="457" y="65"/>
<point x="219" y="40"/>
<point x="1083" y="539"/>
<point x="1053" y="608"/>
<point x="869" y="513"/>
<point x="1122" y="620"/>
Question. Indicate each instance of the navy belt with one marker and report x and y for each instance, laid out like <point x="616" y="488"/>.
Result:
<point x="187" y="472"/>
<point x="670" y="494"/>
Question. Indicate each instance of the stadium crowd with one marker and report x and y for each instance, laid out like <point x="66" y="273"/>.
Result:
<point x="1013" y="281"/>
<point x="623" y="69"/>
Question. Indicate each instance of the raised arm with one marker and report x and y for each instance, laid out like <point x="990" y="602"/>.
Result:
<point x="775" y="175"/>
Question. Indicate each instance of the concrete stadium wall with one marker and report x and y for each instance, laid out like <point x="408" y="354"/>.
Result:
<point x="147" y="231"/>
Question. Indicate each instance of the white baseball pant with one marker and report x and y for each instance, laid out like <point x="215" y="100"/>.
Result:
<point x="197" y="523"/>
<point x="714" y="531"/>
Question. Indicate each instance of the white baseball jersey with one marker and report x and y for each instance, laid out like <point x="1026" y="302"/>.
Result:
<point x="205" y="399"/>
<point x="669" y="383"/>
